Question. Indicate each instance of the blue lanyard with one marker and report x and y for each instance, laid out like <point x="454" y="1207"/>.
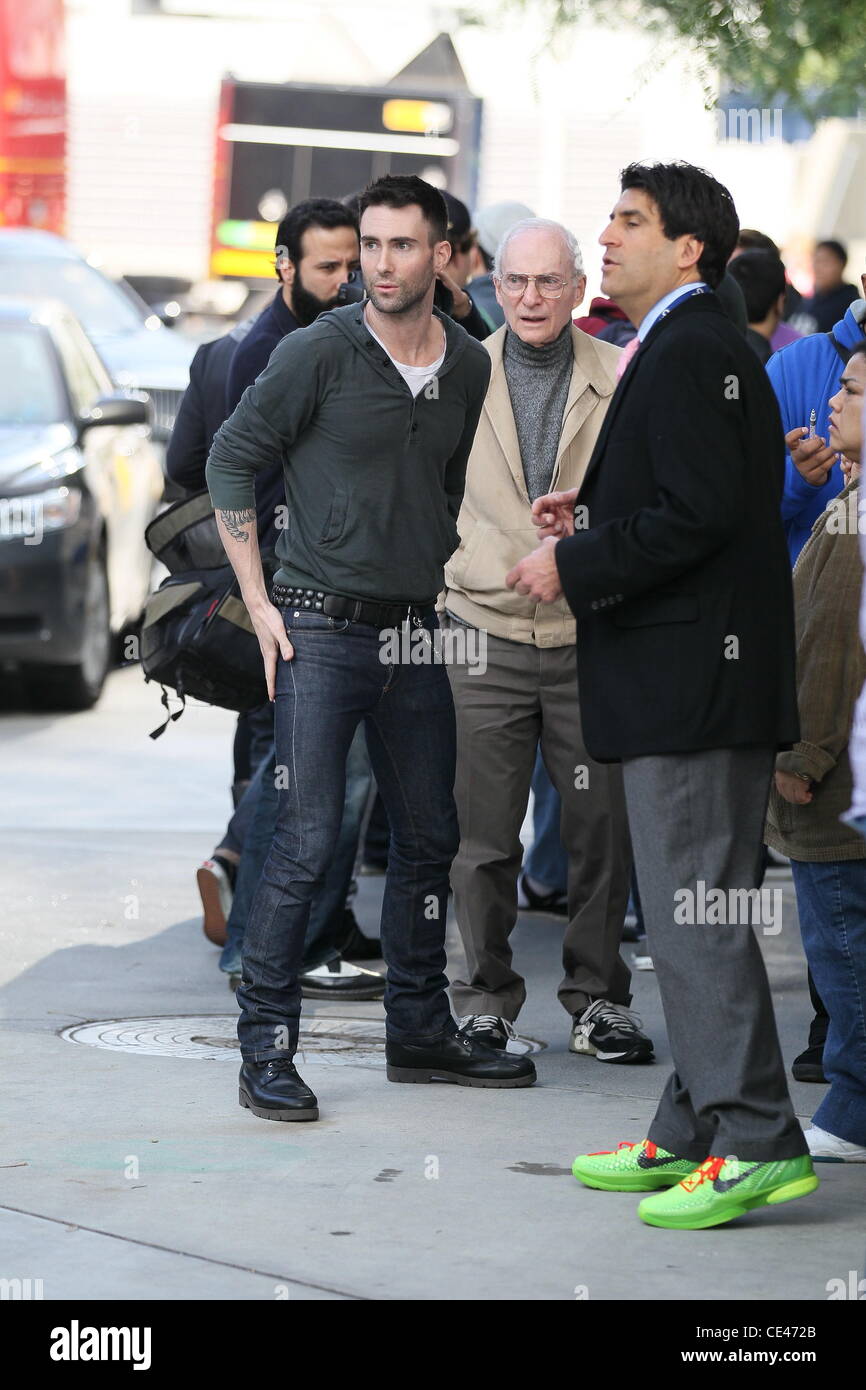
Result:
<point x="690" y="294"/>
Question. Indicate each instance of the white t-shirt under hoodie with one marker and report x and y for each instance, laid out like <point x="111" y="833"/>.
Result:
<point x="416" y="378"/>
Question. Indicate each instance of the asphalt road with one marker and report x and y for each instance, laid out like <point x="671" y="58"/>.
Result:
<point x="418" y="1192"/>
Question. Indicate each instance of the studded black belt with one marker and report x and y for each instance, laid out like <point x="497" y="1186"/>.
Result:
<point x="357" y="610"/>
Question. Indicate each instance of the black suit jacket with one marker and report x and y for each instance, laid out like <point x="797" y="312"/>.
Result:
<point x="681" y="586"/>
<point x="202" y="410"/>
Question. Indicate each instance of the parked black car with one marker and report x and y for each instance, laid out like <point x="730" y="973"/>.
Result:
<point x="80" y="479"/>
<point x="139" y="351"/>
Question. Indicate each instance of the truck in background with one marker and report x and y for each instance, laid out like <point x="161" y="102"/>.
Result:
<point x="277" y="144"/>
<point x="32" y="115"/>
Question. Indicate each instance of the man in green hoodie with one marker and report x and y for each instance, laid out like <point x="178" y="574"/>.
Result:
<point x="374" y="408"/>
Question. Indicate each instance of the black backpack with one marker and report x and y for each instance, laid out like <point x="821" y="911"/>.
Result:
<point x="196" y="635"/>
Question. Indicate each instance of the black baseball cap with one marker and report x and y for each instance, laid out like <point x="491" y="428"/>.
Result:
<point x="459" y="221"/>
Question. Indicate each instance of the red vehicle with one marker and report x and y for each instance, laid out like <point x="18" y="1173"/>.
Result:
<point x="32" y="115"/>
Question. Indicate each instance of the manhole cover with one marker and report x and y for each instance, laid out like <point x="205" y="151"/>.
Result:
<point x="213" y="1038"/>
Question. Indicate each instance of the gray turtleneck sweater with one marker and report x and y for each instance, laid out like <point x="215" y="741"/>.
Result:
<point x="538" y="380"/>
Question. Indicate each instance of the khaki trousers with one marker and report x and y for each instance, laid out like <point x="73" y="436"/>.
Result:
<point x="525" y="695"/>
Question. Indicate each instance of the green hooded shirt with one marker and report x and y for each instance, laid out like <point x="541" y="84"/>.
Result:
<point x="374" y="476"/>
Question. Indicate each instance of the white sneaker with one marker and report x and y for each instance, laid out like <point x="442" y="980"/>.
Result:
<point x="339" y="979"/>
<point x="641" y="960"/>
<point x="488" y="1028"/>
<point x="499" y="1033"/>
<point x="215" y="888"/>
<point x="610" y="1033"/>
<point x="829" y="1148"/>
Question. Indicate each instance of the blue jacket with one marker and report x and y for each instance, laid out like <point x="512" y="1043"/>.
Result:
<point x="804" y="376"/>
<point x="250" y="359"/>
<point x="202" y="409"/>
<point x="483" y="296"/>
<point x="254" y="353"/>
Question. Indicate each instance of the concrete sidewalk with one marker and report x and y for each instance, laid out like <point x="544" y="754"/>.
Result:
<point x="419" y="1192"/>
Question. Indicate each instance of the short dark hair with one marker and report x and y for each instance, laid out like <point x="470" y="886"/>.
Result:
<point x="313" y="212"/>
<point x="858" y="350"/>
<point x="690" y="202"/>
<point x="836" y="249"/>
<point x="761" y="277"/>
<point x="750" y="240"/>
<point x="404" y="191"/>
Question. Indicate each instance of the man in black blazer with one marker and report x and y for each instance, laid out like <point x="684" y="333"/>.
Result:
<point x="673" y="560"/>
<point x="202" y="409"/>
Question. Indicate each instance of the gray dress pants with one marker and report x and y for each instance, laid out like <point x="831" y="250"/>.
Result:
<point x="697" y="823"/>
<point x="525" y="695"/>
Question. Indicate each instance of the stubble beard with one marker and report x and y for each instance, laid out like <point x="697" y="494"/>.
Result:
<point x="406" y="298"/>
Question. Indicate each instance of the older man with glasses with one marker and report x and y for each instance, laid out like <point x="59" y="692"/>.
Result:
<point x="549" y="389"/>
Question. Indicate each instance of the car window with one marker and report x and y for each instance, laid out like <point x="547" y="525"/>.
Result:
<point x="104" y="382"/>
<point x="86" y="382"/>
<point x="30" y="390"/>
<point x="102" y="307"/>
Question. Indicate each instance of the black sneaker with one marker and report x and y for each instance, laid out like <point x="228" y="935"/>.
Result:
<point x="809" y="1066"/>
<point x="610" y="1033"/>
<point x="488" y="1028"/>
<point x="544" y="904"/>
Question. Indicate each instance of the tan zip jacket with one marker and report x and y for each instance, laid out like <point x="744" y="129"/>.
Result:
<point x="831" y="667"/>
<point x="495" y="522"/>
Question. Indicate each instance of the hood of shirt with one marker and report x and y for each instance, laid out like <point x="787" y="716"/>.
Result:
<point x="349" y="320"/>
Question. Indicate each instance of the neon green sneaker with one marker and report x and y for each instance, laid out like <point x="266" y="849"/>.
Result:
<point x="724" y="1188"/>
<point x="640" y="1167"/>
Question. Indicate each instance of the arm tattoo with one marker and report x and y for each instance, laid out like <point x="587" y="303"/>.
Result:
<point x="236" y="523"/>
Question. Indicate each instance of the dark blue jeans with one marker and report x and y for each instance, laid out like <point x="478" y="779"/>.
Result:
<point x="831" y="902"/>
<point x="260" y="725"/>
<point x="335" y="681"/>
<point x="326" y="926"/>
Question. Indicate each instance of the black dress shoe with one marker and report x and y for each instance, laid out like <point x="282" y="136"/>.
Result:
<point x="374" y="868"/>
<point x="274" y="1091"/>
<point x="529" y="902"/>
<point x="355" y="945"/>
<point x="337" y="979"/>
<point x="809" y="1066"/>
<point x="459" y="1058"/>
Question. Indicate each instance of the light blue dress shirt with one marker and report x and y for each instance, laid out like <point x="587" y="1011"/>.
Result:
<point x="666" y="302"/>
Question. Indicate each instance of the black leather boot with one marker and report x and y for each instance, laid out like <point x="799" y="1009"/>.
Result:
<point x="274" y="1091"/>
<point x="459" y="1058"/>
<point x="355" y="945"/>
